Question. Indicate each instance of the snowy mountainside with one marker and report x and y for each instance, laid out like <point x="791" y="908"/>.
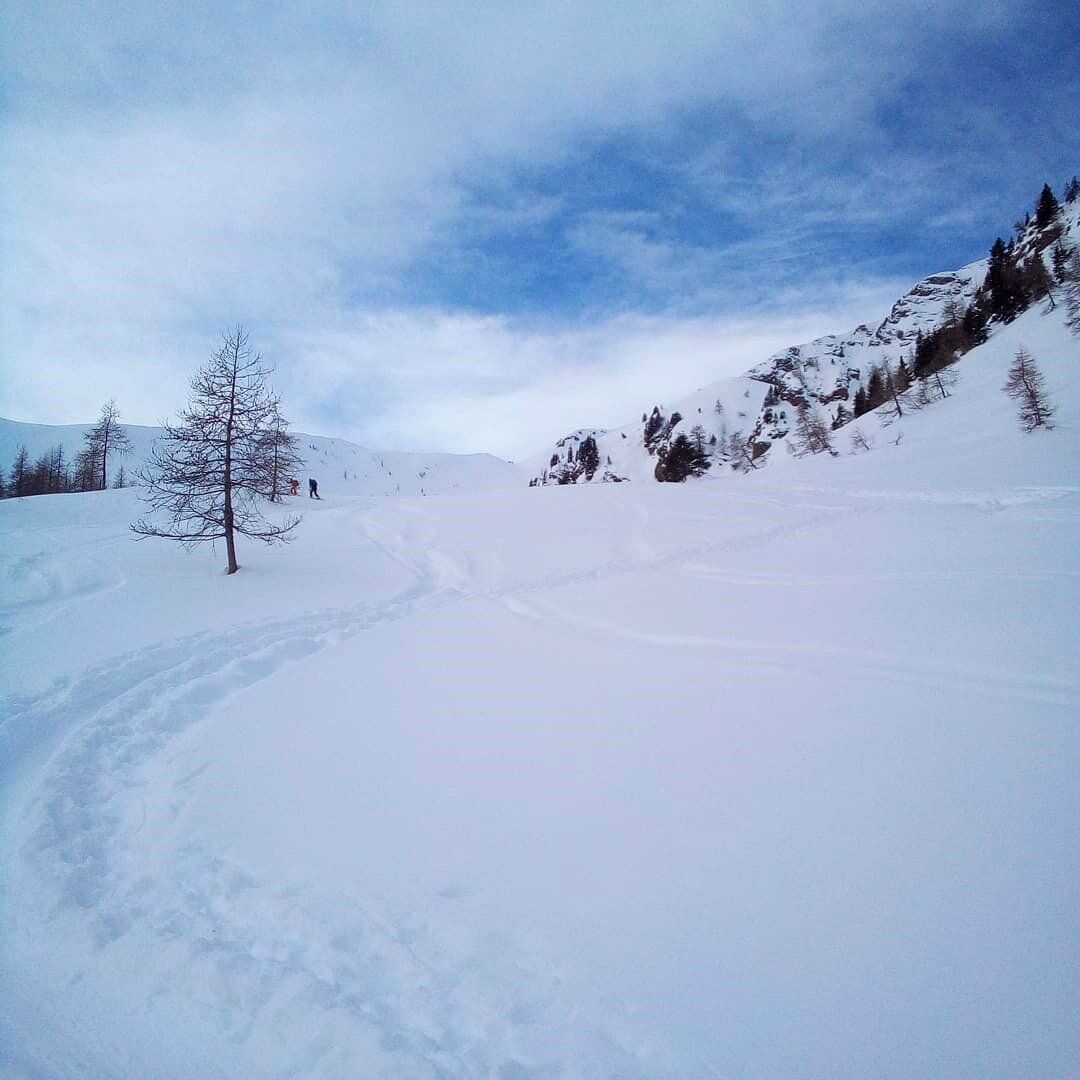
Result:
<point x="760" y="407"/>
<point x="762" y="404"/>
<point x="337" y="464"/>
<point x="722" y="409"/>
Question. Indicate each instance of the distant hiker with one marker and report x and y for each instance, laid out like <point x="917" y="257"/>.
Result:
<point x="313" y="489"/>
<point x="294" y="486"/>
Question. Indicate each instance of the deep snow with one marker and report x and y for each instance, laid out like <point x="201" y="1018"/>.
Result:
<point x="762" y="776"/>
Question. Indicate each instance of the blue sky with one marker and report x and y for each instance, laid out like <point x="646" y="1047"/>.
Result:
<point x="475" y="227"/>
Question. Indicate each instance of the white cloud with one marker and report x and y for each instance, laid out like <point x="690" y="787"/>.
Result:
<point x="440" y="380"/>
<point x="169" y="172"/>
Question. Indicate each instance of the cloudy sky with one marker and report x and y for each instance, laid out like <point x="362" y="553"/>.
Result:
<point x="477" y="226"/>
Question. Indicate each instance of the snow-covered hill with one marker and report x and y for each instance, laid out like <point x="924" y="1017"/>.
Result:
<point x="776" y="777"/>
<point x="337" y="464"/>
<point x="757" y="412"/>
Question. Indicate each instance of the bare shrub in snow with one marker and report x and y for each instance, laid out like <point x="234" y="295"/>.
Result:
<point x="860" y="442"/>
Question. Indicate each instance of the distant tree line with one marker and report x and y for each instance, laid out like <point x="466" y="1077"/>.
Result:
<point x="52" y="473"/>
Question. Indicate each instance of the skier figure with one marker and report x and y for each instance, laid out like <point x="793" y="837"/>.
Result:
<point x="313" y="489"/>
<point x="294" y="486"/>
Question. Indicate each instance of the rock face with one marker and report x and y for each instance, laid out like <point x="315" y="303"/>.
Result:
<point x="830" y="369"/>
<point x="576" y="458"/>
<point x="741" y="421"/>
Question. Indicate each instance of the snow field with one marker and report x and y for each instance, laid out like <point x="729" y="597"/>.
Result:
<point x="773" y="776"/>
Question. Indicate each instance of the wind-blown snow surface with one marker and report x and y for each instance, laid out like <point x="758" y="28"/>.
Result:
<point x="768" y="776"/>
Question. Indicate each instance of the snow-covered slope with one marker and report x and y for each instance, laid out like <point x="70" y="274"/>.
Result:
<point x="776" y="777"/>
<point x="823" y="374"/>
<point x="337" y="464"/>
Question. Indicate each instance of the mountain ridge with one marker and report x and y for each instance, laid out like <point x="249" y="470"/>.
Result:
<point x="743" y="421"/>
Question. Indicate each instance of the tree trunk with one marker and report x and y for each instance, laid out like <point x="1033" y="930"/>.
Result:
<point x="230" y="541"/>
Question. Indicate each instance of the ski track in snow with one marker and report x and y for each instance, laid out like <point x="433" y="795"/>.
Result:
<point x="262" y="947"/>
<point x="781" y="659"/>
<point x="40" y="580"/>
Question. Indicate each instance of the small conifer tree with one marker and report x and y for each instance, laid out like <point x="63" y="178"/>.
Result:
<point x="1046" y="209"/>
<point x="1027" y="388"/>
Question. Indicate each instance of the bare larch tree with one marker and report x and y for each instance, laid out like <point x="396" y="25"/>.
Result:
<point x="209" y="471"/>
<point x="282" y="454"/>
<point x="1027" y="387"/>
<point x="811" y="434"/>
<point x="106" y="437"/>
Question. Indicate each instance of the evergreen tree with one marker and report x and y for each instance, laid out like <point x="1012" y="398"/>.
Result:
<point x="860" y="402"/>
<point x="589" y="456"/>
<point x="1046" y="208"/>
<point x="1027" y="387"/>
<point x="973" y="325"/>
<point x="1072" y="190"/>
<point x="209" y="471"/>
<point x="875" y="388"/>
<point x="902" y="377"/>
<point x="1061" y="259"/>
<point x="1003" y="284"/>
<point x="697" y="434"/>
<point x="653" y="426"/>
<point x="680" y="460"/>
